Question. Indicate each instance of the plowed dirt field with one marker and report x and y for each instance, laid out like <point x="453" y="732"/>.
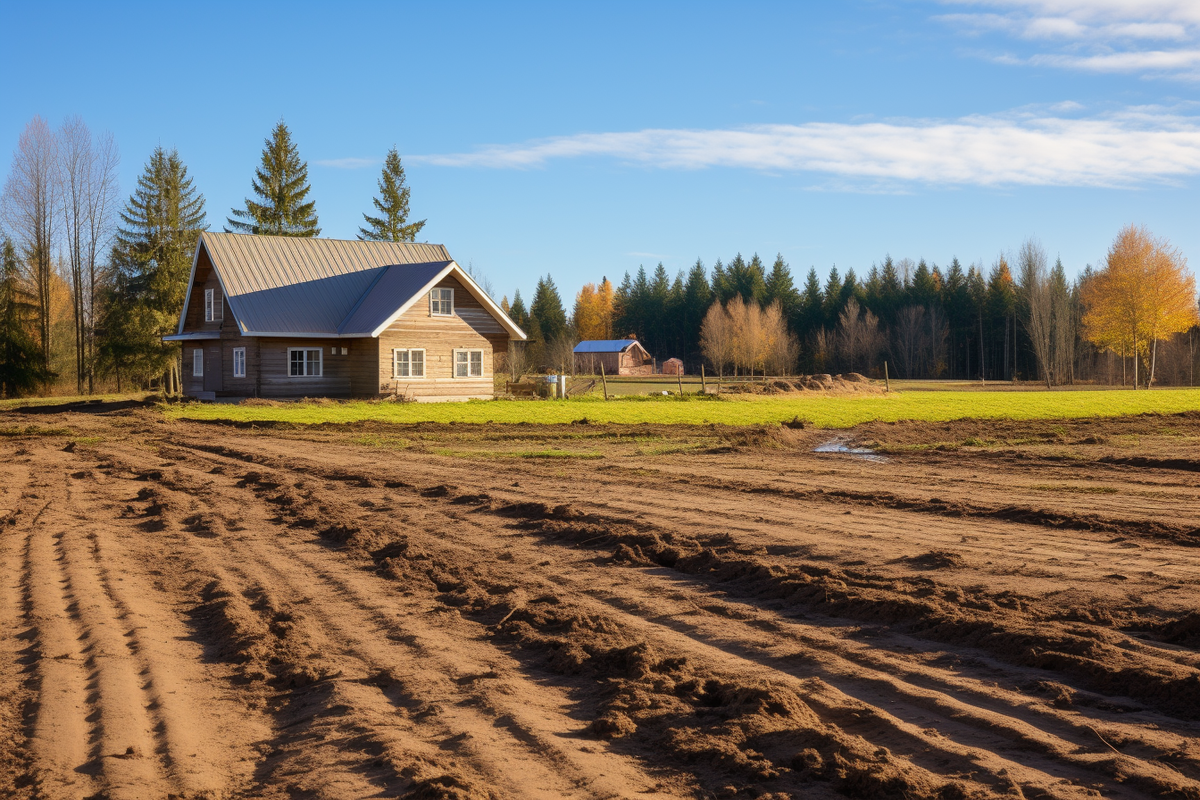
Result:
<point x="972" y="610"/>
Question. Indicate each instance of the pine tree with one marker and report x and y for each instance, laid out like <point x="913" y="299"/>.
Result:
<point x="779" y="286"/>
<point x="21" y="367"/>
<point x="160" y="224"/>
<point x="281" y="183"/>
<point x="517" y="312"/>
<point x="393" y="225"/>
<point x="547" y="309"/>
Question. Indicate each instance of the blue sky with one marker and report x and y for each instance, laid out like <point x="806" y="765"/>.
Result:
<point x="586" y="139"/>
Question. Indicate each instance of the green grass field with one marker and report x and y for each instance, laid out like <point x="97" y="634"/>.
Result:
<point x="824" y="411"/>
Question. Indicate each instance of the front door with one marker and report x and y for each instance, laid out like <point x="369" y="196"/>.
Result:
<point x="213" y="381"/>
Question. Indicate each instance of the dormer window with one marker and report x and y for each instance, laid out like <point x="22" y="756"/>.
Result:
<point x="441" y="302"/>
<point x="213" y="312"/>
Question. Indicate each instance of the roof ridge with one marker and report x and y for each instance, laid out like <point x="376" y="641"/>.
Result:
<point x="299" y="239"/>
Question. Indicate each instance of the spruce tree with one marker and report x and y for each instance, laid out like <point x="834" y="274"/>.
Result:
<point x="21" y="366"/>
<point x="156" y="239"/>
<point x="779" y="286"/>
<point x="281" y="183"/>
<point x="517" y="312"/>
<point x="547" y="309"/>
<point x="152" y="258"/>
<point x="393" y="224"/>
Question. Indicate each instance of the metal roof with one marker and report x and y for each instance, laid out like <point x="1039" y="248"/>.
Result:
<point x="606" y="345"/>
<point x="301" y="286"/>
<point x="379" y="302"/>
<point x="304" y="285"/>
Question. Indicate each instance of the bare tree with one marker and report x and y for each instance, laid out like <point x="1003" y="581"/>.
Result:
<point x="103" y="199"/>
<point x="1064" y="319"/>
<point x="934" y="346"/>
<point x="1038" y="304"/>
<point x="716" y="337"/>
<point x="560" y="352"/>
<point x="87" y="177"/>
<point x="781" y="349"/>
<point x="30" y="207"/>
<point x="907" y="337"/>
<point x="858" y="336"/>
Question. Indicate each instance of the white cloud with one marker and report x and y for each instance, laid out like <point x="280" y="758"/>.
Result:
<point x="348" y="163"/>
<point x="1176" y="61"/>
<point x="1099" y="35"/>
<point x="1133" y="148"/>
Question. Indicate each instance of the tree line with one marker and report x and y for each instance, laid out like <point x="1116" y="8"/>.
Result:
<point x="89" y="286"/>
<point x="1134" y="320"/>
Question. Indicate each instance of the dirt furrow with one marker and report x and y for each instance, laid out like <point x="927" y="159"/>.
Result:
<point x="1081" y="737"/>
<point x="492" y="733"/>
<point x="526" y="612"/>
<point x="17" y="652"/>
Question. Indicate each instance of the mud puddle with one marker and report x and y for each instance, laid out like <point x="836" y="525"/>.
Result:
<point x="844" y="447"/>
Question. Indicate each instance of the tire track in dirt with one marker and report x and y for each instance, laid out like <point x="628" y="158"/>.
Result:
<point x="15" y="649"/>
<point x="1153" y="776"/>
<point x="952" y="712"/>
<point x="880" y="774"/>
<point x="195" y="764"/>
<point x="379" y="649"/>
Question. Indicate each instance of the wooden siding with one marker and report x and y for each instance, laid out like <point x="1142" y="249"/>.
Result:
<point x="206" y="278"/>
<point x="366" y="370"/>
<point x="471" y="327"/>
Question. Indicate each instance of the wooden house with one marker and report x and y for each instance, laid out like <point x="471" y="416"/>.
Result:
<point x="282" y="316"/>
<point x="672" y="366"/>
<point x="617" y="356"/>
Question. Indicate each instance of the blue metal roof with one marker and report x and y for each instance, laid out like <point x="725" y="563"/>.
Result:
<point x="605" y="345"/>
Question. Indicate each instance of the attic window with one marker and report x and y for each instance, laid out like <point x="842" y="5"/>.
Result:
<point x="213" y="311"/>
<point x="441" y="302"/>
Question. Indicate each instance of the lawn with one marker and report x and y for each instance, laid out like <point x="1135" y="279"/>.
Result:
<point x="838" y="411"/>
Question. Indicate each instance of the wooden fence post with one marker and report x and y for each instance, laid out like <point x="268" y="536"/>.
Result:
<point x="703" y="386"/>
<point x="603" y="382"/>
<point x="887" y="384"/>
<point x="679" y="378"/>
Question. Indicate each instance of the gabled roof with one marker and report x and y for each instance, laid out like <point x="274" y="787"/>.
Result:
<point x="606" y="345"/>
<point x="300" y="286"/>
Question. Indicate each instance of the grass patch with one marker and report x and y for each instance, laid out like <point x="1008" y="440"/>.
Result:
<point x="388" y="442"/>
<point x="52" y="400"/>
<point x="88" y="441"/>
<point x="548" y="454"/>
<point x="35" y="430"/>
<point x="825" y="411"/>
<point x="1064" y="487"/>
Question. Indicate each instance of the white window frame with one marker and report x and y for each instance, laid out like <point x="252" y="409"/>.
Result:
<point x="320" y="351"/>
<point x="409" y="350"/>
<point x="467" y="363"/>
<point x="436" y="298"/>
<point x="214" y="309"/>
<point x="198" y="362"/>
<point x="239" y="360"/>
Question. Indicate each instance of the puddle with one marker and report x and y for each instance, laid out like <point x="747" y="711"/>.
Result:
<point x="842" y="447"/>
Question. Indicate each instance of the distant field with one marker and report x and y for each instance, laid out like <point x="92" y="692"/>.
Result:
<point x="839" y="411"/>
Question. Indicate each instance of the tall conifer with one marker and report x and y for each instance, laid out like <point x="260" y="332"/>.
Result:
<point x="281" y="183"/>
<point x="392" y="204"/>
<point x="21" y="368"/>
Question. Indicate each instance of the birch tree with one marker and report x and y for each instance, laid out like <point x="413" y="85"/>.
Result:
<point x="30" y="207"/>
<point x="87" y="176"/>
<point x="1037" y="304"/>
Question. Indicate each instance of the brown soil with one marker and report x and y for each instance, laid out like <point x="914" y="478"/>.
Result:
<point x="203" y="611"/>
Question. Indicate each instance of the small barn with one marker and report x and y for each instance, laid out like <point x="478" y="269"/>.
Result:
<point x="284" y="316"/>
<point x="616" y="356"/>
<point x="672" y="366"/>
